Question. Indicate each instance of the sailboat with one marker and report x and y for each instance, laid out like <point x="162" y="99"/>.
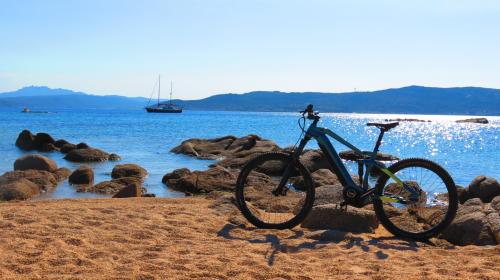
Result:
<point x="163" y="107"/>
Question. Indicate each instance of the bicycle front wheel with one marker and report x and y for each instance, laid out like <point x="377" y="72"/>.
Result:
<point x="420" y="203"/>
<point x="274" y="191"/>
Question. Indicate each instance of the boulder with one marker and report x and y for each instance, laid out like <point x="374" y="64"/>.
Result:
<point x="48" y="147"/>
<point x="61" y="142"/>
<point x="114" y="157"/>
<point x="83" y="175"/>
<point x="42" y="140"/>
<point x="82" y="146"/>
<point x="314" y="160"/>
<point x="204" y="148"/>
<point x="20" y="189"/>
<point x="66" y="148"/>
<point x="87" y="155"/>
<point x="215" y="178"/>
<point x="331" y="216"/>
<point x="25" y="140"/>
<point x="321" y="177"/>
<point x="43" y="179"/>
<point x="485" y="188"/>
<point x="36" y="162"/>
<point x="128" y="170"/>
<point x="328" y="194"/>
<point x="474" y="120"/>
<point x="115" y="185"/>
<point x="476" y="223"/>
<point x="62" y="174"/>
<point x="129" y="191"/>
<point x="351" y="155"/>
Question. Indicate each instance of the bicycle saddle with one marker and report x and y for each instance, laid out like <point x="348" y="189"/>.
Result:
<point x="384" y="126"/>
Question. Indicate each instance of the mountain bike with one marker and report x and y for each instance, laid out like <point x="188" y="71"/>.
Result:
<point x="412" y="198"/>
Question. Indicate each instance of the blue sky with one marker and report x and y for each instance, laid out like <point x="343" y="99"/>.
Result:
<point x="210" y="47"/>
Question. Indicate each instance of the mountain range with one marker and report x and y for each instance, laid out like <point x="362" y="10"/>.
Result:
<point x="410" y="100"/>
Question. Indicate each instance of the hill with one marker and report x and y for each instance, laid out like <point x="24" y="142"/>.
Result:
<point x="410" y="100"/>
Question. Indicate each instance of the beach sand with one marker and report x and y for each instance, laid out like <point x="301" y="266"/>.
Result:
<point x="148" y="238"/>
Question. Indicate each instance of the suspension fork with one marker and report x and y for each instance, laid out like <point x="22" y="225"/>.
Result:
<point x="281" y="189"/>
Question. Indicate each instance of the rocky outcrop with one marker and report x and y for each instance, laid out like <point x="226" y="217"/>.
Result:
<point x="321" y="177"/>
<point x="36" y="162"/>
<point x="83" y="175"/>
<point x="128" y="170"/>
<point x="232" y="152"/>
<point x="476" y="223"/>
<point x="43" y="179"/>
<point x="474" y="120"/>
<point x="351" y="155"/>
<point x="405" y="120"/>
<point x="314" y="160"/>
<point x="68" y="147"/>
<point x="483" y="187"/>
<point x="331" y="216"/>
<point x="195" y="182"/>
<point x="87" y="155"/>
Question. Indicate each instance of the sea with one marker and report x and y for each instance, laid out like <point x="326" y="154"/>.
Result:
<point x="466" y="150"/>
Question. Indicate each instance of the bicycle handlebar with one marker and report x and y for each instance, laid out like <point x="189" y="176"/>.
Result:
<point x="310" y="112"/>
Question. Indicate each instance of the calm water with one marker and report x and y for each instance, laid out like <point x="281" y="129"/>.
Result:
<point x="465" y="150"/>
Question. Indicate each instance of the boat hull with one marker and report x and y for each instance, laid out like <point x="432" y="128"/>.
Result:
<point x="158" y="110"/>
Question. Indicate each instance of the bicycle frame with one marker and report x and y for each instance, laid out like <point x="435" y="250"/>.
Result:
<point x="320" y="135"/>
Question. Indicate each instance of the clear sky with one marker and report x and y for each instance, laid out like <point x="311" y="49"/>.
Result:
<point x="216" y="46"/>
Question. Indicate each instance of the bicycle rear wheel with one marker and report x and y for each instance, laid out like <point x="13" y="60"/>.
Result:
<point x="263" y="202"/>
<point x="422" y="207"/>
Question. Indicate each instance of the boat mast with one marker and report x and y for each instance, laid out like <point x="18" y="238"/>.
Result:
<point x="170" y="92"/>
<point x="159" y="85"/>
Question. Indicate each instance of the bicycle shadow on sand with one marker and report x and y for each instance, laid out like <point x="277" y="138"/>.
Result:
<point x="295" y="240"/>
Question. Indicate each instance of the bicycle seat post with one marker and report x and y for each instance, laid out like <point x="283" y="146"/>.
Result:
<point x="379" y="140"/>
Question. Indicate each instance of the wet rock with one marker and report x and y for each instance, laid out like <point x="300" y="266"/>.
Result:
<point x="36" y="162"/>
<point x="20" y="189"/>
<point x="82" y="146"/>
<point x="42" y="140"/>
<point x="66" y="148"/>
<point x="48" y="147"/>
<point x="25" y="140"/>
<point x="87" y="155"/>
<point x="405" y="120"/>
<point x="485" y="188"/>
<point x="128" y="170"/>
<point x="474" y="120"/>
<point x="115" y="185"/>
<point x="331" y="216"/>
<point x="351" y="155"/>
<point x="62" y="174"/>
<point x="129" y="191"/>
<point x="114" y="157"/>
<point x="43" y="179"/>
<point x="61" y="142"/>
<point x="83" y="175"/>
<point x="476" y="223"/>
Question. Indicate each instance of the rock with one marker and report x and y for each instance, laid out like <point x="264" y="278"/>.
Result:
<point x="463" y="194"/>
<point x="476" y="223"/>
<point x="233" y="152"/>
<point x="485" y="188"/>
<point x="36" y="162"/>
<point x="25" y="140"/>
<point x="215" y="178"/>
<point x="314" y="160"/>
<point x="495" y="203"/>
<point x="83" y="175"/>
<point x="128" y="170"/>
<point x="397" y="189"/>
<point x="321" y="177"/>
<point x="42" y="139"/>
<point x="405" y="120"/>
<point x="115" y="185"/>
<point x="87" y="155"/>
<point x="43" y="179"/>
<point x="148" y="195"/>
<point x="331" y="216"/>
<point x="351" y="155"/>
<point x="82" y="146"/>
<point x="328" y="194"/>
<point x="48" y="147"/>
<point x="66" y="148"/>
<point x="20" y="189"/>
<point x="129" y="191"/>
<point x="114" y="157"/>
<point x="62" y="174"/>
<point x="61" y="142"/>
<point x="474" y="120"/>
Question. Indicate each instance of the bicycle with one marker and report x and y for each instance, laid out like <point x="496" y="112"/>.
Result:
<point x="413" y="198"/>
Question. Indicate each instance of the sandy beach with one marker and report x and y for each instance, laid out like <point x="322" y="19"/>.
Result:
<point x="193" y="238"/>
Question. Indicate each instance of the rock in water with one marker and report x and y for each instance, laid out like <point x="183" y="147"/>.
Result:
<point x="114" y="157"/>
<point x="485" y="188"/>
<point x="36" y="162"/>
<point x="474" y="120"/>
<point x="83" y="175"/>
<point x="129" y="191"/>
<point x="61" y="142"/>
<point x="215" y="178"/>
<point x="43" y="179"/>
<point x="331" y="216"/>
<point x="20" y="189"/>
<point x="87" y="155"/>
<point x="62" y="174"/>
<point x="115" y="185"/>
<point x="128" y="170"/>
<point x="351" y="155"/>
<point x="66" y="148"/>
<point x="26" y="140"/>
<point x="42" y="140"/>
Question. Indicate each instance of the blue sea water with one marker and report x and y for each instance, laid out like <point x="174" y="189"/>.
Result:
<point x="464" y="149"/>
